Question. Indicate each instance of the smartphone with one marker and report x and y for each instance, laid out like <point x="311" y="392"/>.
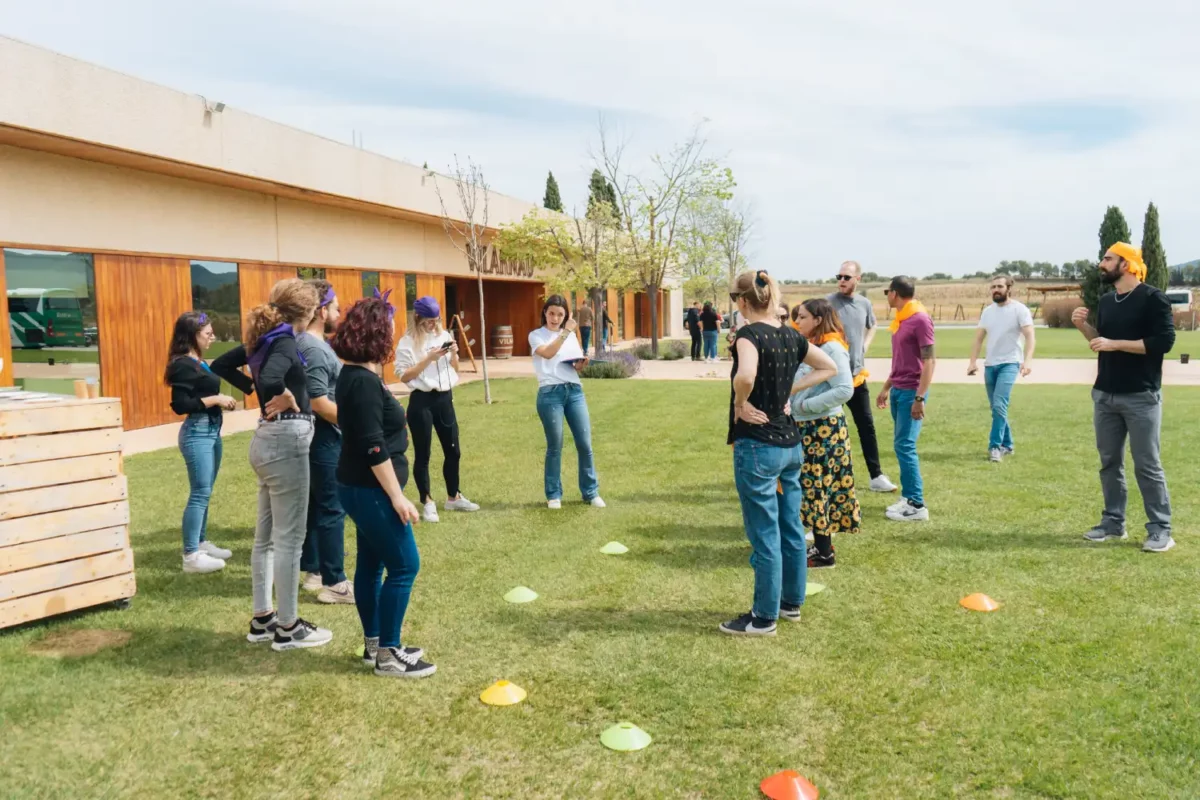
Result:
<point x="446" y="347"/>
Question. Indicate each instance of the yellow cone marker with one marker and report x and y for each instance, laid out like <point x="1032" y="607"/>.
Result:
<point x="614" y="549"/>
<point x="502" y="693"/>
<point x="521" y="594"/>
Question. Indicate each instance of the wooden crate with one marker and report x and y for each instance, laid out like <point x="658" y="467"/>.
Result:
<point x="64" y="506"/>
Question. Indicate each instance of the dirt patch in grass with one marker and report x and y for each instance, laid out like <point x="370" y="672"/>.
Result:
<point x="72" y="644"/>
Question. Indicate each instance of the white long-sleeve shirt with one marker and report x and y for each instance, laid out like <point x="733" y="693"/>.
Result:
<point x="438" y="376"/>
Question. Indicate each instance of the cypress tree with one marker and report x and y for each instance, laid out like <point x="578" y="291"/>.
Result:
<point x="552" y="200"/>
<point x="1113" y="229"/>
<point x="1155" y="257"/>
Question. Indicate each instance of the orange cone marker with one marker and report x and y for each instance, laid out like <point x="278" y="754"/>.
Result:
<point x="978" y="602"/>
<point x="788" y="785"/>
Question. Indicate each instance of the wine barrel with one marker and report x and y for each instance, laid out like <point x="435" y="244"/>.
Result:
<point x="502" y="341"/>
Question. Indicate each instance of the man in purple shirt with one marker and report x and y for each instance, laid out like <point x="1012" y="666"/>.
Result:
<point x="907" y="388"/>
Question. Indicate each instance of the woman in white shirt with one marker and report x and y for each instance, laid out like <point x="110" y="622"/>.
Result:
<point x="557" y="361"/>
<point x="427" y="361"/>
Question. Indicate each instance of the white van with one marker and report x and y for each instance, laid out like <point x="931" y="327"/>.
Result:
<point x="1181" y="299"/>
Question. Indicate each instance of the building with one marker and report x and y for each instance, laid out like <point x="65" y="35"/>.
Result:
<point x="124" y="203"/>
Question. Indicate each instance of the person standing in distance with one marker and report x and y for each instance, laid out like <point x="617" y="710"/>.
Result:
<point x="709" y="327"/>
<point x="1004" y="323"/>
<point x="858" y="323"/>
<point x="1134" y="330"/>
<point x="585" y="317"/>
<point x="692" y="321"/>
<point x="907" y="388"/>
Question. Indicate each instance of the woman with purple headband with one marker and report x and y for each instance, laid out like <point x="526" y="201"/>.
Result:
<point x="196" y="395"/>
<point x="427" y="360"/>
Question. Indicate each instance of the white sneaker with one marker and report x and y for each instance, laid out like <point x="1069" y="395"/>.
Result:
<point x="430" y="512"/>
<point x="312" y="582"/>
<point x="596" y="502"/>
<point x="909" y="513"/>
<point x="214" y="551"/>
<point x="554" y="504"/>
<point x="342" y="593"/>
<point x="201" y="562"/>
<point x="461" y="504"/>
<point x="809" y="538"/>
<point x="901" y="503"/>
<point x="995" y="454"/>
<point x="881" y="483"/>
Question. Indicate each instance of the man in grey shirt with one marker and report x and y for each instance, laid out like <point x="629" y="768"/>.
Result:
<point x="323" y="559"/>
<point x="858" y="321"/>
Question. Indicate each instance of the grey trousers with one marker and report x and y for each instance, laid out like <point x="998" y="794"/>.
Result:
<point x="1137" y="417"/>
<point x="279" y="457"/>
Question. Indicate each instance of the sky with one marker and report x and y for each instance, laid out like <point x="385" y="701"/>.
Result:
<point x="919" y="137"/>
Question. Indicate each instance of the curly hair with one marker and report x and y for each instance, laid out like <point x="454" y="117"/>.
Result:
<point x="365" y="335"/>
<point x="292" y="301"/>
<point x="184" y="338"/>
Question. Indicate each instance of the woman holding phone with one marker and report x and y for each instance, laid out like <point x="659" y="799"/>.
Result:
<point x="372" y="471"/>
<point x="196" y="394"/>
<point x="427" y="360"/>
<point x="557" y="361"/>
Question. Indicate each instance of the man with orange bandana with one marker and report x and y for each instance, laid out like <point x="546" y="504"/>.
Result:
<point x="858" y="321"/>
<point x="907" y="388"/>
<point x="1134" y="330"/>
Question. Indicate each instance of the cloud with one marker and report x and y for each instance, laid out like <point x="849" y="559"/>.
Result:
<point x="917" y="137"/>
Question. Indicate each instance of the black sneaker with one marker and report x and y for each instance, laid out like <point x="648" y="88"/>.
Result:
<point x="392" y="662"/>
<point x="301" y="634"/>
<point x="789" y="611"/>
<point x="262" y="629"/>
<point x="818" y="561"/>
<point x="749" y="625"/>
<point x="371" y="650"/>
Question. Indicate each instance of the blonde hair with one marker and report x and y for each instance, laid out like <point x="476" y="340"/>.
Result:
<point x="291" y="300"/>
<point x="418" y="335"/>
<point x="758" y="288"/>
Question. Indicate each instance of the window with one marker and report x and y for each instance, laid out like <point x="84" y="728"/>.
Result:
<point x="370" y="282"/>
<point x="52" y="319"/>
<point x="311" y="273"/>
<point x="620" y="316"/>
<point x="215" y="292"/>
<point x="410" y="298"/>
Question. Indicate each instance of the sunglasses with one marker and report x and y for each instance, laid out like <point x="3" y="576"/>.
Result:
<point x="845" y="277"/>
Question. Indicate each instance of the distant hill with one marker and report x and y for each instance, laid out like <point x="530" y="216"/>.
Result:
<point x="203" y="276"/>
<point x="1193" y="263"/>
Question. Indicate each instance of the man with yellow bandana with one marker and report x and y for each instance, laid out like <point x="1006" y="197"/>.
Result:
<point x="1134" y="330"/>
<point x="907" y="388"/>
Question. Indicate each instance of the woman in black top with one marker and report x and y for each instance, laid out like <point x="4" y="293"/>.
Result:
<point x="279" y="457"/>
<point x="709" y="327"/>
<point x="196" y="394"/>
<point x="372" y="472"/>
<point x="767" y="456"/>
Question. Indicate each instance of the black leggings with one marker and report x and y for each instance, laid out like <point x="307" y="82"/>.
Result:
<point x="427" y="412"/>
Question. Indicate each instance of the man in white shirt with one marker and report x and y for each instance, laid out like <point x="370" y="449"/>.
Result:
<point x="1005" y="323"/>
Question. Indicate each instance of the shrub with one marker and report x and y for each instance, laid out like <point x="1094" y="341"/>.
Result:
<point x="642" y="349"/>
<point x="1057" y="312"/>
<point x="1186" y="320"/>
<point x="619" y="365"/>
<point x="668" y="350"/>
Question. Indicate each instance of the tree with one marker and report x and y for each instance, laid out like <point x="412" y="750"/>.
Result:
<point x="552" y="200"/>
<point x="653" y="208"/>
<point x="579" y="255"/>
<point x="735" y="221"/>
<point x="601" y="191"/>
<point x="467" y="233"/>
<point x="1113" y="229"/>
<point x="702" y="253"/>
<point x="1153" y="254"/>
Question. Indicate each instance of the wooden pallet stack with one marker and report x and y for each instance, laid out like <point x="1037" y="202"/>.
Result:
<point x="64" y="506"/>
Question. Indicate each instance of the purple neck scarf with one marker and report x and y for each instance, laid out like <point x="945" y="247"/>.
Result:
<point x="256" y="359"/>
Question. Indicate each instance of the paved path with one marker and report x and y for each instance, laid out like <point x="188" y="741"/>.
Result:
<point x="1074" y="371"/>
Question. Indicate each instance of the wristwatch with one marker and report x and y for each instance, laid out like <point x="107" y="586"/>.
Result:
<point x="922" y="397"/>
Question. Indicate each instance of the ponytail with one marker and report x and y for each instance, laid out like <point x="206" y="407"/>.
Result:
<point x="292" y="301"/>
<point x="758" y="289"/>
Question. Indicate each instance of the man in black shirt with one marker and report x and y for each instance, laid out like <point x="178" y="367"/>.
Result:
<point x="692" y="321"/>
<point x="1134" y="330"/>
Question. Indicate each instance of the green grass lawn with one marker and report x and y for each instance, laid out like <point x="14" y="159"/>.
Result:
<point x="1051" y="343"/>
<point x="1084" y="685"/>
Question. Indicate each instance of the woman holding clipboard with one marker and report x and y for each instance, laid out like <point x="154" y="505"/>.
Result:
<point x="557" y="361"/>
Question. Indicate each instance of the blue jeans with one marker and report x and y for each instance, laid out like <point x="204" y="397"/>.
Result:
<point x="772" y="521"/>
<point x="585" y="337"/>
<point x="710" y="343"/>
<point x="999" y="381"/>
<point x="554" y="403"/>
<point x="904" y="439"/>
<point x="383" y="541"/>
<point x="200" y="444"/>
<point x="324" y="548"/>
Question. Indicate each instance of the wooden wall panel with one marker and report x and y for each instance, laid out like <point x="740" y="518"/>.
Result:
<point x="513" y="303"/>
<point x="395" y="282"/>
<point x="433" y="286"/>
<point x="137" y="301"/>
<point x="255" y="282"/>
<point x="643" y="330"/>
<point x="347" y="284"/>
<point x="6" y="370"/>
<point x="630" y="331"/>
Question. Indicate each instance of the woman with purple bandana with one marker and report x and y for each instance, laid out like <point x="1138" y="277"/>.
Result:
<point x="279" y="457"/>
<point x="196" y="394"/>
<point x="427" y="360"/>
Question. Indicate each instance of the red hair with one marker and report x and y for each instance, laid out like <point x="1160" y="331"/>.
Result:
<point x="364" y="335"/>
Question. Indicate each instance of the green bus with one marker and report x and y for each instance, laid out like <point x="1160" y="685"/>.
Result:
<point x="45" y="318"/>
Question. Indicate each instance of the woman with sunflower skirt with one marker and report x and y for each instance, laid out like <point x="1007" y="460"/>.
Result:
<point x="829" y="504"/>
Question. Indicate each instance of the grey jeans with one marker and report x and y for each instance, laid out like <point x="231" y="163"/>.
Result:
<point x="1137" y="417"/>
<point x="279" y="457"/>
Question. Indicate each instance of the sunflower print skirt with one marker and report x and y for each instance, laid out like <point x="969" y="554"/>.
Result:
<point x="827" y="477"/>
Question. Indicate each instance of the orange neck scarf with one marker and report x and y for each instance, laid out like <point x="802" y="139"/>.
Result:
<point x="910" y="308"/>
<point x="833" y="336"/>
